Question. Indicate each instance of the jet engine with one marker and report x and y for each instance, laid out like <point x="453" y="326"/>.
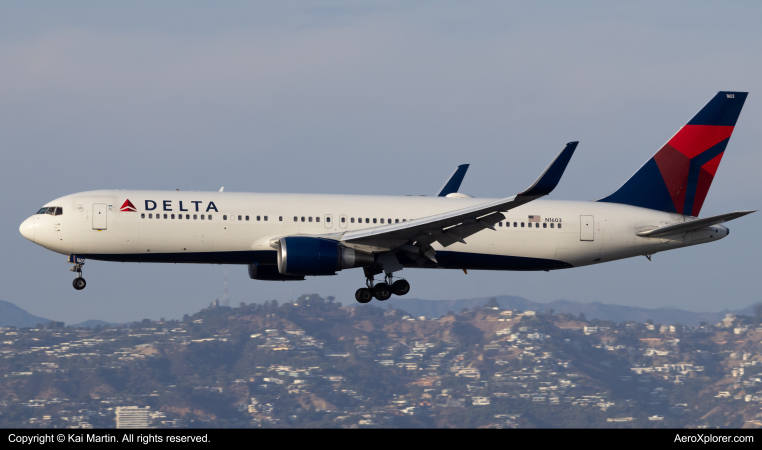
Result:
<point x="301" y="255"/>
<point x="260" y="272"/>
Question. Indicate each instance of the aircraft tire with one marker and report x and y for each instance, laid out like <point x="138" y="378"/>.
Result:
<point x="401" y="287"/>
<point x="363" y="295"/>
<point x="382" y="291"/>
<point x="79" y="283"/>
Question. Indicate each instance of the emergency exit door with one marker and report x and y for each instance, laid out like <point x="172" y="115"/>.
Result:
<point x="586" y="228"/>
<point x="99" y="216"/>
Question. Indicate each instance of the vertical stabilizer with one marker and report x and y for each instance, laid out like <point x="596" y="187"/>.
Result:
<point x="677" y="178"/>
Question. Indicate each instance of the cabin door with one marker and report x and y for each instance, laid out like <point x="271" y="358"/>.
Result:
<point x="99" y="216"/>
<point x="586" y="228"/>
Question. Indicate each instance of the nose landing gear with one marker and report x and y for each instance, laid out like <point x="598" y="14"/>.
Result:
<point x="79" y="283"/>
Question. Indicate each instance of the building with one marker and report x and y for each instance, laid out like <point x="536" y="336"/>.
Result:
<point x="133" y="417"/>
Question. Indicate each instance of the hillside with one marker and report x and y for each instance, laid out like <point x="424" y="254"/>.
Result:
<point x="617" y="313"/>
<point x="13" y="316"/>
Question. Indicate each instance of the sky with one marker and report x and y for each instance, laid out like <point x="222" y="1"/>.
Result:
<point x="381" y="98"/>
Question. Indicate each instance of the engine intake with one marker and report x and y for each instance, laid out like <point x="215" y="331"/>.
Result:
<point x="301" y="255"/>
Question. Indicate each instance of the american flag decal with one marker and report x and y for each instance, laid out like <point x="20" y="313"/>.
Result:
<point x="534" y="218"/>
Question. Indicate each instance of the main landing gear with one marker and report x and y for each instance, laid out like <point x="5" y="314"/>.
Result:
<point x="381" y="291"/>
<point x="79" y="283"/>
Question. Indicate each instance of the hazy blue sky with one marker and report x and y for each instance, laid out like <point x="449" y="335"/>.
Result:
<point x="367" y="98"/>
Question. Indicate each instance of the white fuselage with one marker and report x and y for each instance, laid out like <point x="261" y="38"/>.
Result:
<point x="230" y="228"/>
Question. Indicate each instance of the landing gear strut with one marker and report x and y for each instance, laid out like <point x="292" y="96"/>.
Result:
<point x="79" y="283"/>
<point x="381" y="291"/>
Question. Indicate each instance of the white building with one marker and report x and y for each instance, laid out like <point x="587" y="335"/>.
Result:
<point x="133" y="417"/>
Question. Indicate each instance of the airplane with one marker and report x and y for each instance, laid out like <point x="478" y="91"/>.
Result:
<point x="286" y="237"/>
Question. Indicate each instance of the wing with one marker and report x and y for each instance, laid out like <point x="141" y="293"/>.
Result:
<point x="691" y="225"/>
<point x="453" y="226"/>
<point x="453" y="184"/>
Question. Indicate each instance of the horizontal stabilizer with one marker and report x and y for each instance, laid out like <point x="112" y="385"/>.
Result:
<point x="691" y="225"/>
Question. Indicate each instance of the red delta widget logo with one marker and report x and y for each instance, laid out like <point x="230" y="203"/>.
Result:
<point x="127" y="206"/>
<point x="150" y="205"/>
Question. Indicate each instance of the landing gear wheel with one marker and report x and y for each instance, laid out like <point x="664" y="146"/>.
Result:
<point x="401" y="287"/>
<point x="382" y="291"/>
<point x="79" y="283"/>
<point x="363" y="295"/>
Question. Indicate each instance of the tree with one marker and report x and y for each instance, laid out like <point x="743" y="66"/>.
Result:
<point x="492" y="303"/>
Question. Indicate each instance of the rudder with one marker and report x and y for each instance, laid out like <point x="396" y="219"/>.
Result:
<point x="677" y="178"/>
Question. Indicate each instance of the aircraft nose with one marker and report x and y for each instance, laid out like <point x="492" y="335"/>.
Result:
<point x="27" y="229"/>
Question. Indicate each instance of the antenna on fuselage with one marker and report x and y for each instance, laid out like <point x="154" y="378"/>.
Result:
<point x="222" y="188"/>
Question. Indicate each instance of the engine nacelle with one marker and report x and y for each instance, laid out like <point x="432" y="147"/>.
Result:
<point x="302" y="255"/>
<point x="270" y="273"/>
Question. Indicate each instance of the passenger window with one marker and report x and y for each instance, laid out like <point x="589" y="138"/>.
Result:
<point x="209" y="217"/>
<point x="187" y="216"/>
<point x="142" y="215"/>
<point x="352" y="220"/>
<point x="302" y="218"/>
<point x="295" y="219"/>
<point x="224" y="216"/>
<point x="317" y="219"/>
<point x="545" y="225"/>
<point x="559" y="225"/>
<point x="202" y="217"/>
<point x="551" y="225"/>
<point x="172" y="216"/>
<point x="396" y="221"/>
<point x="537" y="225"/>
<point x="382" y="220"/>
<point x="257" y="218"/>
<point x="327" y="219"/>
<point x="165" y="216"/>
<point x="150" y="216"/>
<point x="309" y="219"/>
<point x="265" y="218"/>
<point x="500" y="224"/>
<point x="522" y="224"/>
<point x="404" y="220"/>
<point x="343" y="220"/>
<point x="194" y="217"/>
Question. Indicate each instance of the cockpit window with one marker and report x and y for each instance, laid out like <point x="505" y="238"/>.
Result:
<point x="52" y="210"/>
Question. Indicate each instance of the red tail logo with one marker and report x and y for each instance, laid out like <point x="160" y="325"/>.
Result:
<point x="128" y="206"/>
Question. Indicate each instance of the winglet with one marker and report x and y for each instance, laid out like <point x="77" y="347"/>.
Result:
<point x="552" y="175"/>
<point x="453" y="184"/>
